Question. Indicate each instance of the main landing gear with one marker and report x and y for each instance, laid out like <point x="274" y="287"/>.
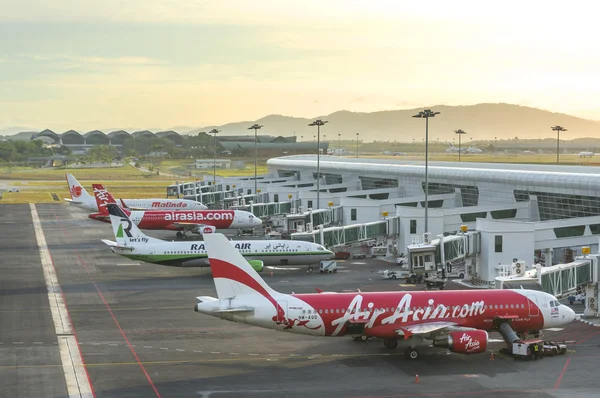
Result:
<point x="410" y="352"/>
<point x="181" y="235"/>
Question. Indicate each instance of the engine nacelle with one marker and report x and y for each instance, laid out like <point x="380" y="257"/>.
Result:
<point x="207" y="229"/>
<point x="468" y="342"/>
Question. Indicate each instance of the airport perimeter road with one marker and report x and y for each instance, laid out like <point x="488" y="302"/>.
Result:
<point x="140" y="337"/>
<point x="30" y="362"/>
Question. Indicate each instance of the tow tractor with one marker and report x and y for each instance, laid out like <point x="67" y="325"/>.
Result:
<point x="523" y="348"/>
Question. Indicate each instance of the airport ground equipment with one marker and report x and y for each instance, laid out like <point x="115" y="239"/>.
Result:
<point x="327" y="267"/>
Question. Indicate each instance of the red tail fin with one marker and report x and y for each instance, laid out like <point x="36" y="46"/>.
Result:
<point x="103" y="197"/>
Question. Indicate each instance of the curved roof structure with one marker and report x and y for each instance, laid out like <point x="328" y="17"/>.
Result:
<point x="171" y="135"/>
<point x="143" y="133"/>
<point x="47" y="133"/>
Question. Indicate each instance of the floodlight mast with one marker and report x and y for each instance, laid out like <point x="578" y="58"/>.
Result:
<point x="426" y="114"/>
<point x="318" y="123"/>
<point x="255" y="127"/>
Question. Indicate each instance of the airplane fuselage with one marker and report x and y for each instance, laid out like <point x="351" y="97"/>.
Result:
<point x="383" y="314"/>
<point x="193" y="254"/>
<point x="173" y="220"/>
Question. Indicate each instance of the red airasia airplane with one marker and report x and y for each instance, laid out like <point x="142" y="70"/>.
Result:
<point x="457" y="320"/>
<point x="182" y="221"/>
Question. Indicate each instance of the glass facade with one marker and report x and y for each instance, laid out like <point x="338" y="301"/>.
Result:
<point x="557" y="206"/>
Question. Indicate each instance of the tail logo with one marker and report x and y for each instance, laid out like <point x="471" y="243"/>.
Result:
<point x="223" y="269"/>
<point x="102" y="195"/>
<point x="127" y="229"/>
<point x="76" y="191"/>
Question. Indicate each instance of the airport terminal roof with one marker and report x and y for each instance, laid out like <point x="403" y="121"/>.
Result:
<point x="572" y="177"/>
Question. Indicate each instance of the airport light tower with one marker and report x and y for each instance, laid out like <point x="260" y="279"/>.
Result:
<point x="558" y="129"/>
<point x="318" y="123"/>
<point x="459" y="132"/>
<point x="214" y="132"/>
<point x="357" y="134"/>
<point x="255" y="127"/>
<point x="426" y="114"/>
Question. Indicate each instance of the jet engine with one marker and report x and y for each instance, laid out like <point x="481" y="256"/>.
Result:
<point x="467" y="342"/>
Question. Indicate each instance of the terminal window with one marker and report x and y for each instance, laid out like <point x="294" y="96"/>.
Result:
<point x="498" y="243"/>
<point x="413" y="226"/>
<point x="352" y="214"/>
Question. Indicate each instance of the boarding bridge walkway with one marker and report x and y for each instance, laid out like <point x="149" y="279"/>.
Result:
<point x="340" y="236"/>
<point x="563" y="279"/>
<point x="269" y="209"/>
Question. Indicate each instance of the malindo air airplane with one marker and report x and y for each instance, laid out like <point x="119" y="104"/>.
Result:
<point x="457" y="320"/>
<point x="194" y="221"/>
<point x="134" y="244"/>
<point x="79" y="196"/>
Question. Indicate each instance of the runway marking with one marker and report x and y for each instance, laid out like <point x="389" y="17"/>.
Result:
<point x="560" y="377"/>
<point x="147" y="346"/>
<point x="17" y="342"/>
<point x="179" y="349"/>
<point x="108" y="308"/>
<point x="76" y="377"/>
<point x="197" y="351"/>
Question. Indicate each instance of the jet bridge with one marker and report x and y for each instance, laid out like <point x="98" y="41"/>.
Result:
<point x="345" y="235"/>
<point x="269" y="209"/>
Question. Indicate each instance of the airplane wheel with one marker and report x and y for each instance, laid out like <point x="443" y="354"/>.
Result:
<point x="360" y="338"/>
<point x="412" y="354"/>
<point x="178" y="234"/>
<point x="183" y="236"/>
<point x="390" y="343"/>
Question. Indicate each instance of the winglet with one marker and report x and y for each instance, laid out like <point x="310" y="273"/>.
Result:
<point x="318" y="290"/>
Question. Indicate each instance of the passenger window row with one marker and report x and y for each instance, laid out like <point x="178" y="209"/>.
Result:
<point x="392" y="309"/>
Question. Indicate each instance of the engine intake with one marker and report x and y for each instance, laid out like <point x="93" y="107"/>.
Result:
<point x="469" y="342"/>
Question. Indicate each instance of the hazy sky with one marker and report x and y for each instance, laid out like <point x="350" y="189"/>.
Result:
<point x="88" y="64"/>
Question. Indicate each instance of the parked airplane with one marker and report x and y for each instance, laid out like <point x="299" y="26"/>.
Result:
<point x="458" y="320"/>
<point x="134" y="244"/>
<point x="470" y="149"/>
<point x="182" y="221"/>
<point x="586" y="154"/>
<point x="80" y="196"/>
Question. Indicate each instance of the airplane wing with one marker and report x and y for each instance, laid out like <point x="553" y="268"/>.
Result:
<point x="115" y="245"/>
<point x="72" y="201"/>
<point x="425" y="328"/>
<point x="188" y="226"/>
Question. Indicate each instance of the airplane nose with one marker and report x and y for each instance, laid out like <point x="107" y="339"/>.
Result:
<point x="569" y="314"/>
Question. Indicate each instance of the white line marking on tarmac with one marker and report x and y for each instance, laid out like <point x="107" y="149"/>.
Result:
<point x="179" y="349"/>
<point x="78" y="384"/>
<point x="114" y="345"/>
<point x="215" y="352"/>
<point x="197" y="351"/>
<point x="147" y="346"/>
<point x="17" y="342"/>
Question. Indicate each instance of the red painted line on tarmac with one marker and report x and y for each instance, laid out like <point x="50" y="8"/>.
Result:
<point x="560" y="376"/>
<point x="446" y="394"/>
<point x="110" y="312"/>
<point x="87" y="374"/>
<point x="588" y="336"/>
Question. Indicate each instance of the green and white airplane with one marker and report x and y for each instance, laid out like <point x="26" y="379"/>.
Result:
<point x="132" y="243"/>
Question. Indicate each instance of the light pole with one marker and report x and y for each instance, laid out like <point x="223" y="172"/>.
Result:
<point x="255" y="127"/>
<point x="459" y="132"/>
<point x="339" y="144"/>
<point x="294" y="142"/>
<point x="318" y="123"/>
<point x="215" y="132"/>
<point x="558" y="129"/>
<point x="426" y="114"/>
<point x="357" y="134"/>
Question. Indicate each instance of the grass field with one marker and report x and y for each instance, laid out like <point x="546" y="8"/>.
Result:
<point x="45" y="194"/>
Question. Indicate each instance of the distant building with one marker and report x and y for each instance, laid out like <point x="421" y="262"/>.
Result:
<point x="81" y="143"/>
<point x="210" y="163"/>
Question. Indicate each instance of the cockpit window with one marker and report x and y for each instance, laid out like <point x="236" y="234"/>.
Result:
<point x="320" y="248"/>
<point x="554" y="303"/>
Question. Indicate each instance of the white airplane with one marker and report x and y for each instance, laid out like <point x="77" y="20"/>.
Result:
<point x="472" y="149"/>
<point x="132" y="243"/>
<point x="586" y="154"/>
<point x="79" y="196"/>
<point x="457" y="320"/>
<point x="454" y="149"/>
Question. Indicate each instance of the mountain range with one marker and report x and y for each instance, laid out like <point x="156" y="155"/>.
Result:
<point x="481" y="122"/>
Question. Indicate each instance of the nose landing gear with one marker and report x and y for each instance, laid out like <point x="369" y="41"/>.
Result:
<point x="181" y="235"/>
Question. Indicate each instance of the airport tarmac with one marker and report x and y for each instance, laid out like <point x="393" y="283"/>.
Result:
<point x="139" y="336"/>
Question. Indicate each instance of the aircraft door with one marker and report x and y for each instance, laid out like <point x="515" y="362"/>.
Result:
<point x="534" y="309"/>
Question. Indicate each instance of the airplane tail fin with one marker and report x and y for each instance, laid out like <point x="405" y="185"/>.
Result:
<point x="125" y="230"/>
<point x="76" y="190"/>
<point x="103" y="198"/>
<point x="233" y="275"/>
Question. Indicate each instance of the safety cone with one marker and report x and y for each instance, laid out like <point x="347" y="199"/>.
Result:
<point x="492" y="357"/>
<point x="417" y="378"/>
